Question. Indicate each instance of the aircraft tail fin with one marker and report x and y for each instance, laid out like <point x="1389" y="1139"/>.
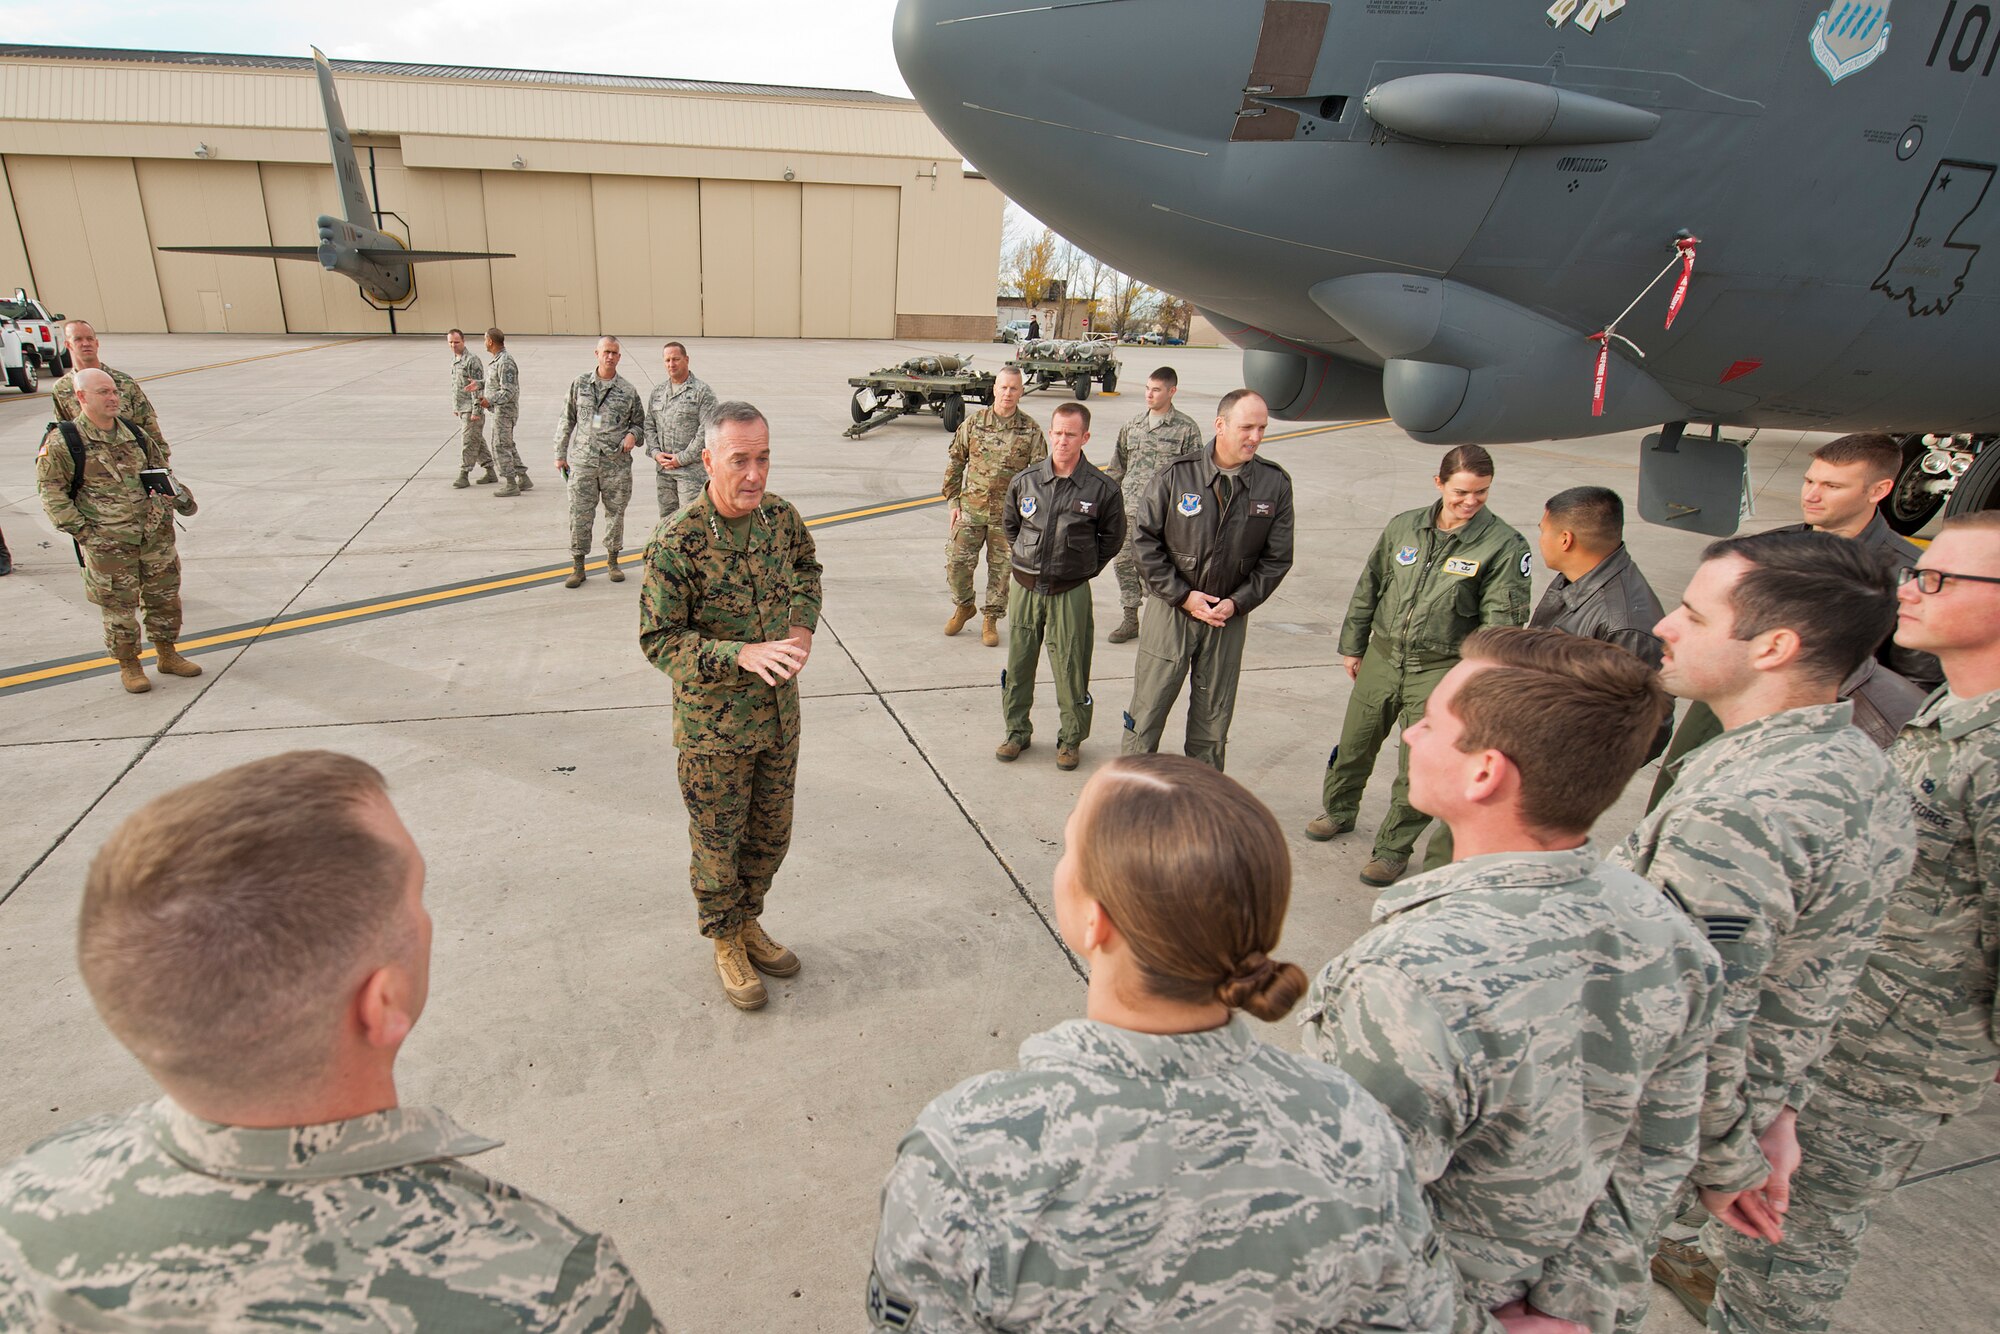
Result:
<point x="353" y="193"/>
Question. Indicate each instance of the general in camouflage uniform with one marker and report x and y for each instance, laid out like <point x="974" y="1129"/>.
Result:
<point x="502" y="398"/>
<point x="600" y="426"/>
<point x="673" y="430"/>
<point x="125" y="535"/>
<point x="1537" y="1024"/>
<point x="719" y="586"/>
<point x="1424" y="589"/>
<point x="1145" y="444"/>
<point x="1132" y="1181"/>
<point x="988" y="448"/>
<point x="132" y="400"/>
<point x="155" y="1220"/>
<point x="468" y="392"/>
<point x="1919" y="1041"/>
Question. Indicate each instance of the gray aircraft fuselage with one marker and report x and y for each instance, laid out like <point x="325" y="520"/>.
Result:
<point x="1434" y="204"/>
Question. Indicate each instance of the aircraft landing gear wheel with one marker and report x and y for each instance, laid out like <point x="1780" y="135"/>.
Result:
<point x="1908" y="506"/>
<point x="864" y="405"/>
<point x="952" y="410"/>
<point x="1080" y="386"/>
<point x="1979" y="489"/>
<point x="1109" y="382"/>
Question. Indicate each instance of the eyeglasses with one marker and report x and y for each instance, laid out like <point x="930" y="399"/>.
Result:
<point x="1930" y="581"/>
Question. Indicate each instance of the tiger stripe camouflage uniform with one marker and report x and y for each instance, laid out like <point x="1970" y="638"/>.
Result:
<point x="153" y="1220"/>
<point x="1918" y="1044"/>
<point x="130" y="564"/>
<point x="467" y="370"/>
<point x="674" y="414"/>
<point x="1537" y="1025"/>
<point x="1144" y="447"/>
<point x="132" y="402"/>
<point x="709" y="591"/>
<point x="597" y="416"/>
<point x="1133" y="1181"/>
<point x="986" y="451"/>
<point x="503" y="397"/>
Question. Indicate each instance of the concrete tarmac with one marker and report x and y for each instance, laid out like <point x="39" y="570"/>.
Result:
<point x="574" y="1012"/>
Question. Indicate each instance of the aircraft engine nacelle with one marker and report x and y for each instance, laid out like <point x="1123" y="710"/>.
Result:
<point x="1300" y="383"/>
<point x="1460" y="365"/>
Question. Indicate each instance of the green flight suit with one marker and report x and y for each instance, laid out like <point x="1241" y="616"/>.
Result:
<point x="1423" y="590"/>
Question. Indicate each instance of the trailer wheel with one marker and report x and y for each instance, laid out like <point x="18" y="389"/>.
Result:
<point x="1109" y="380"/>
<point x="864" y="405"/>
<point x="1080" y="386"/>
<point x="952" y="410"/>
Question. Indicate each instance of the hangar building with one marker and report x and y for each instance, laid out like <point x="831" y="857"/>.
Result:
<point x="634" y="205"/>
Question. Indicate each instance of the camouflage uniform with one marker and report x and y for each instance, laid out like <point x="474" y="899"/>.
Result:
<point x="465" y="406"/>
<point x="1144" y="446"/>
<point x="503" y="394"/>
<point x="1537" y="1024"/>
<point x="708" y="592"/>
<point x="132" y="402"/>
<point x="1919" y="1042"/>
<point x="153" y="1220"/>
<point x="598" y="414"/>
<point x="1133" y="1181"/>
<point x="127" y="536"/>
<point x="986" y="452"/>
<point x="673" y="426"/>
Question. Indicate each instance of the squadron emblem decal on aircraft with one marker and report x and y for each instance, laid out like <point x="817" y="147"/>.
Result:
<point x="1847" y="40"/>
<point x="1917" y="272"/>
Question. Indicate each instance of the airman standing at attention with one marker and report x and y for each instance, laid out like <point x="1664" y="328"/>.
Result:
<point x="1145" y="444"/>
<point x="502" y="397"/>
<point x="84" y="351"/>
<point x="123" y="529"/>
<point x="1437" y="574"/>
<point x="673" y="431"/>
<point x="1919" y="1043"/>
<point x="988" y="448"/>
<point x="730" y="602"/>
<point x="468" y="387"/>
<point x="600" y="426"/>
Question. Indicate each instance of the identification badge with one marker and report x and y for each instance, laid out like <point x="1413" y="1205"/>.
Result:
<point x="1262" y="509"/>
<point x="1460" y="565"/>
<point x="596" y="421"/>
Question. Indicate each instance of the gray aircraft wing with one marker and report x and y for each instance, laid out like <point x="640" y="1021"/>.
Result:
<point x="255" y="251"/>
<point x="381" y="254"/>
<point x="390" y="254"/>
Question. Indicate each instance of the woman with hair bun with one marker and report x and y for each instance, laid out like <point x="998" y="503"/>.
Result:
<point x="1155" y="1165"/>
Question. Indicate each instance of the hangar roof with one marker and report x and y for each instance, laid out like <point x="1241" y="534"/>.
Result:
<point x="468" y="73"/>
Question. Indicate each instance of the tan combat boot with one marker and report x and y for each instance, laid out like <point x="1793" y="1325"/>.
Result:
<point x="1127" y="628"/>
<point x="509" y="488"/>
<point x="959" y="616"/>
<point x="575" y="579"/>
<point x="766" y="954"/>
<point x="131" y="675"/>
<point x="171" y="661"/>
<point x="616" y="575"/>
<point x="463" y="480"/>
<point x="739" y="980"/>
<point x="989" y="633"/>
<point x="527" y="482"/>
<point x="488" y="477"/>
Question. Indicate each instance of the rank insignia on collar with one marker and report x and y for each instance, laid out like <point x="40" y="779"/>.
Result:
<point x="1407" y="556"/>
<point x="1190" y="503"/>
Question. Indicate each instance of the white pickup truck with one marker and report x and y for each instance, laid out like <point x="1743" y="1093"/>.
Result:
<point x="41" y="332"/>
<point x="15" y="360"/>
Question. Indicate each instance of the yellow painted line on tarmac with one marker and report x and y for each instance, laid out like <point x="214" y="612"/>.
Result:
<point x="1324" y="430"/>
<point x="219" y="365"/>
<point x="456" y="592"/>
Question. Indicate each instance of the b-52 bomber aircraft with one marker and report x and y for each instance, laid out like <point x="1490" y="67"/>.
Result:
<point x="1510" y="220"/>
<point x="377" y="261"/>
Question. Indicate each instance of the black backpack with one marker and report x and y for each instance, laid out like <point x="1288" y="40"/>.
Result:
<point x="74" y="439"/>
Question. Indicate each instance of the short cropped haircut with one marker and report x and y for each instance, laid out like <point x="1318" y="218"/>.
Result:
<point x="1978" y="521"/>
<point x="1881" y="453"/>
<point x="611" y="339"/>
<point x="1575" y="717"/>
<point x="1232" y="398"/>
<point x="1195" y="873"/>
<point x="225" y="924"/>
<point x="674" y="342"/>
<point x="722" y="414"/>
<point x="1837" y="595"/>
<point x="499" y="339"/>
<point x="449" y="332"/>
<point x="1466" y="458"/>
<point x="1594" y="513"/>
<point x="1073" y="410"/>
<point x="1167" y="376"/>
<point x="1014" y="371"/>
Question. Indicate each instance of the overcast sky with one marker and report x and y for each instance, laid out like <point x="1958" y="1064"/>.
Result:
<point x="822" y="44"/>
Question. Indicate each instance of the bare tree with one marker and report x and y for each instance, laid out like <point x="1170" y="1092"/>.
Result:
<point x="1133" y="304"/>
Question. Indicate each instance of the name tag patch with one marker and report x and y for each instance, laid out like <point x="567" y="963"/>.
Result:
<point x="1262" y="509"/>
<point x="1460" y="565"/>
<point x="1085" y="506"/>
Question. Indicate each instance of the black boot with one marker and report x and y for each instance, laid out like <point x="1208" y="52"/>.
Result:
<point x="6" y="557"/>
